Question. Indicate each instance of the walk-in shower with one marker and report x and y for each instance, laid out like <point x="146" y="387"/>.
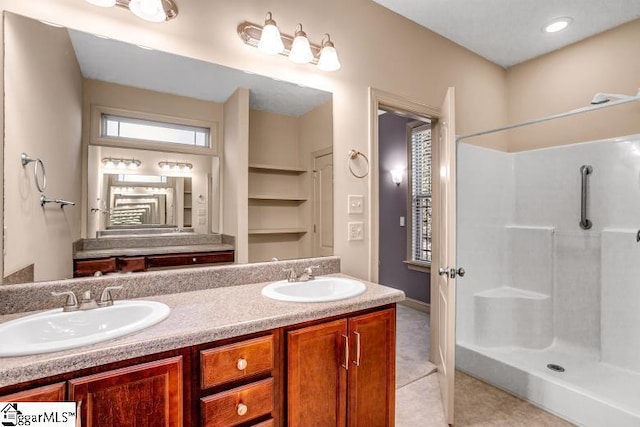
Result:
<point x="550" y="308"/>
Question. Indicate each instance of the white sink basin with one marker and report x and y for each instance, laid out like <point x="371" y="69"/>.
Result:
<point x="55" y="330"/>
<point x="321" y="289"/>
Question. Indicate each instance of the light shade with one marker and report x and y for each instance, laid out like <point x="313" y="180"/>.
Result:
<point x="328" y="56"/>
<point x="300" y="49"/>
<point x="270" y="40"/>
<point x="102" y="3"/>
<point x="396" y="176"/>
<point x="149" y="10"/>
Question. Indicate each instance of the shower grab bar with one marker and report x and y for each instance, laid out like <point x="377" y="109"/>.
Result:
<point x="585" y="224"/>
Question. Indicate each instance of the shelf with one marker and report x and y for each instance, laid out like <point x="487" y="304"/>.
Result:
<point x="274" y="197"/>
<point x="274" y="168"/>
<point x="294" y="230"/>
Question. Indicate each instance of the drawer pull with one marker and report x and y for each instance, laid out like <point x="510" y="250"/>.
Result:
<point x="242" y="364"/>
<point x="242" y="409"/>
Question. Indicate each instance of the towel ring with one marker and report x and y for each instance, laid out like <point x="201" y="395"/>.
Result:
<point x="353" y="154"/>
<point x="25" y="159"/>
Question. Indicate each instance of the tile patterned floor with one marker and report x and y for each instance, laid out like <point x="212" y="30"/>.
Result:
<point x="477" y="404"/>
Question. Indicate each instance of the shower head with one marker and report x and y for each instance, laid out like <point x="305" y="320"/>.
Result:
<point x="601" y="98"/>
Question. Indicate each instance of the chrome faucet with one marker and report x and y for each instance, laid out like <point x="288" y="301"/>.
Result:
<point x="87" y="302"/>
<point x="305" y="276"/>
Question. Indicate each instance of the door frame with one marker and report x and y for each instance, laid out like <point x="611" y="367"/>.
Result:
<point x="395" y="103"/>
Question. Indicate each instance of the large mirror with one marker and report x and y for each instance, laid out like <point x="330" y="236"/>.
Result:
<point x="140" y="139"/>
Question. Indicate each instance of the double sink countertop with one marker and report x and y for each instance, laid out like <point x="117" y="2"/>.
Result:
<point x="197" y="317"/>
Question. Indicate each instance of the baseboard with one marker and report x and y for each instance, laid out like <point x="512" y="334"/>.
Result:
<point x="416" y="305"/>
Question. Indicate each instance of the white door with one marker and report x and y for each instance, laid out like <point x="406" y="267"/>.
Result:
<point x="444" y="269"/>
<point x="323" y="204"/>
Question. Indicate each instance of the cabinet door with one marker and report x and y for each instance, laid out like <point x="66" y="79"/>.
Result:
<point x="316" y="377"/>
<point x="146" y="395"/>
<point x="48" y="393"/>
<point x="371" y="393"/>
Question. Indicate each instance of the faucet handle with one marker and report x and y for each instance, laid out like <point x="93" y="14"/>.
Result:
<point x="309" y="271"/>
<point x="71" y="304"/>
<point x="106" y="299"/>
<point x="291" y="277"/>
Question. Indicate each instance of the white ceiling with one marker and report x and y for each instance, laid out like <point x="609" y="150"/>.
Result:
<point x="126" y="64"/>
<point x="508" y="32"/>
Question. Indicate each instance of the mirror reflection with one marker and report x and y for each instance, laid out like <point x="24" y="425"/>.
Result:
<point x="147" y="145"/>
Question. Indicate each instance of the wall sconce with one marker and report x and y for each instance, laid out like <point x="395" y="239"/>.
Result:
<point x="115" y="163"/>
<point x="175" y="166"/>
<point x="268" y="39"/>
<point x="149" y="10"/>
<point x="396" y="176"/>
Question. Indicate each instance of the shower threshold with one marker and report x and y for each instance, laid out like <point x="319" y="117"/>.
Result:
<point x="588" y="392"/>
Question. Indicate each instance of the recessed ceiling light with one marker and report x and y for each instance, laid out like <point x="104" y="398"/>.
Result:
<point x="557" y="25"/>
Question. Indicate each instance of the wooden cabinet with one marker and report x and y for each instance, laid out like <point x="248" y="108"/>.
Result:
<point x="48" y="393"/>
<point x="88" y="267"/>
<point x="343" y="372"/>
<point x="241" y="377"/>
<point x="149" y="394"/>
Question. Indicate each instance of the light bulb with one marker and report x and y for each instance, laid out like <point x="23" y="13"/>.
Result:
<point x="186" y="168"/>
<point x="133" y="165"/>
<point x="149" y="10"/>
<point x="165" y="166"/>
<point x="270" y="40"/>
<point x="328" y="56"/>
<point x="121" y="165"/>
<point x="176" y="167"/>
<point x="300" y="49"/>
<point x="109" y="164"/>
<point x="102" y="3"/>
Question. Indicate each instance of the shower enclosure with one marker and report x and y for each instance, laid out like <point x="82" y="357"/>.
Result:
<point x="550" y="308"/>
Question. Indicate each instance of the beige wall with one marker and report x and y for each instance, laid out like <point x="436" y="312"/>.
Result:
<point x="568" y="79"/>
<point x="377" y="48"/>
<point x="43" y="105"/>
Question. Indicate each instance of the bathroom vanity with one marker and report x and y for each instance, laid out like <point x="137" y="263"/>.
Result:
<point x="229" y="356"/>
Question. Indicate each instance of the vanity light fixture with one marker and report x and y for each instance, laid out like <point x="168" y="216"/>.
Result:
<point x="328" y="60"/>
<point x="396" y="176"/>
<point x="116" y="163"/>
<point x="300" y="48"/>
<point x="149" y="10"/>
<point x="175" y="166"/>
<point x="297" y="47"/>
<point x="270" y="41"/>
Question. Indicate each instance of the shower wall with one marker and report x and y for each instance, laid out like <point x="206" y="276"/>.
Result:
<point x="535" y="278"/>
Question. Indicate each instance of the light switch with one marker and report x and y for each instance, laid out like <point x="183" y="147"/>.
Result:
<point x="201" y="212"/>
<point x="356" y="231"/>
<point x="401" y="221"/>
<point x="356" y="204"/>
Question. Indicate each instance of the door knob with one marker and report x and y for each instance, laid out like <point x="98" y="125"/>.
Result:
<point x="451" y="272"/>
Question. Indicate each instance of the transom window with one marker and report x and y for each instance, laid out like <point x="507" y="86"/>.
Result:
<point x="113" y="126"/>
<point x="421" y="206"/>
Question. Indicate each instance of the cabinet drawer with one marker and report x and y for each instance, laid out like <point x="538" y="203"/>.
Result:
<point x="189" y="259"/>
<point x="239" y="405"/>
<point x="130" y="264"/>
<point x="236" y="361"/>
<point x="91" y="266"/>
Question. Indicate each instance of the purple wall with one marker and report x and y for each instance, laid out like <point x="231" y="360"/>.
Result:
<point x="393" y="204"/>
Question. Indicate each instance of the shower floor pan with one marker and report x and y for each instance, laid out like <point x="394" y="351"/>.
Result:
<point x="588" y="393"/>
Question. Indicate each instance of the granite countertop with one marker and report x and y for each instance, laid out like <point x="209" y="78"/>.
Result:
<point x="196" y="317"/>
<point x="152" y="250"/>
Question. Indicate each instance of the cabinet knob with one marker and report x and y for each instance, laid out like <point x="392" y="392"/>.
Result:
<point x="242" y="364"/>
<point x="241" y="409"/>
<point x="194" y="259"/>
